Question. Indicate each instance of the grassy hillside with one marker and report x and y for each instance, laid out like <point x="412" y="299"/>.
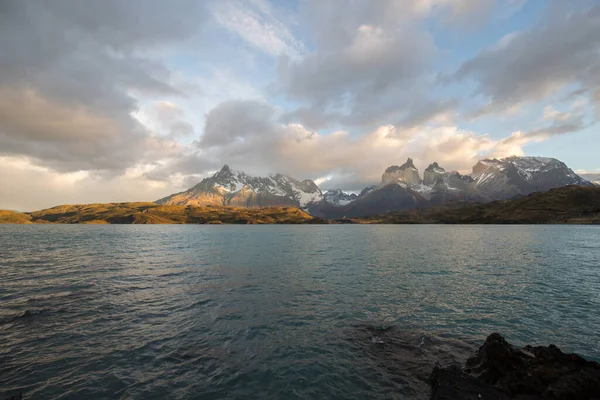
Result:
<point x="150" y="213"/>
<point x="566" y="205"/>
<point x="13" y="217"/>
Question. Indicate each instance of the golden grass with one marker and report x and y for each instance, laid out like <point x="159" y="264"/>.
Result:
<point x="13" y="217"/>
<point x="150" y="213"/>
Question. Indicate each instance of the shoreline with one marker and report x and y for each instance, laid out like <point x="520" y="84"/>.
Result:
<point x="571" y="205"/>
<point x="499" y="370"/>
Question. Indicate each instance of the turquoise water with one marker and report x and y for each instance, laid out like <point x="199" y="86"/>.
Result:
<point x="280" y="312"/>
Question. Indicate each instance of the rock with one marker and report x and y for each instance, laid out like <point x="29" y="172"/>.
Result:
<point x="451" y="383"/>
<point x="433" y="173"/>
<point x="500" y="371"/>
<point x="407" y="173"/>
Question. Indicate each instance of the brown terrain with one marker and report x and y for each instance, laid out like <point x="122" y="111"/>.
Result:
<point x="566" y="205"/>
<point x="151" y="213"/>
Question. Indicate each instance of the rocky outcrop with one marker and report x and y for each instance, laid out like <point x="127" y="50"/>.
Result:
<point x="398" y="190"/>
<point x="501" y="371"/>
<point x="407" y="173"/>
<point x="433" y="173"/>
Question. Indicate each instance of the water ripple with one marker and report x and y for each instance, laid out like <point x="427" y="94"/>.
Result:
<point x="271" y="312"/>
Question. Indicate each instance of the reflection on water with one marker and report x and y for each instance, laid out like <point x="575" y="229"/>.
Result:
<point x="280" y="311"/>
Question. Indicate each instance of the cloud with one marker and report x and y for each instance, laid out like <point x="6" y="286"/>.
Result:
<point x="23" y="183"/>
<point x="70" y="73"/>
<point x="363" y="67"/>
<point x="248" y="136"/>
<point x="372" y="62"/>
<point x="236" y="120"/>
<point x="98" y="94"/>
<point x="528" y="66"/>
<point x="256" y="23"/>
<point x="71" y="139"/>
<point x="167" y="118"/>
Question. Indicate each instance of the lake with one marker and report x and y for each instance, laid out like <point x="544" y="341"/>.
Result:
<point x="281" y="312"/>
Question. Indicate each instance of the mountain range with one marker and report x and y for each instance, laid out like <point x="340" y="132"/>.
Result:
<point x="401" y="188"/>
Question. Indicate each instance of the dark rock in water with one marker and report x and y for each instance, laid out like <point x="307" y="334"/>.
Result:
<point x="501" y="371"/>
<point x="452" y="383"/>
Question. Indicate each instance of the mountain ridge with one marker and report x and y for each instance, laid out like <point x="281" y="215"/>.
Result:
<point x="564" y="205"/>
<point x="401" y="187"/>
<point x="228" y="187"/>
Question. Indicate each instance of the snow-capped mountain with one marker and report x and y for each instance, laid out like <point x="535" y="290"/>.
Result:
<point x="438" y="185"/>
<point x="339" y="198"/>
<point x="236" y="188"/>
<point x="406" y="173"/>
<point x="514" y="176"/>
<point x="401" y="188"/>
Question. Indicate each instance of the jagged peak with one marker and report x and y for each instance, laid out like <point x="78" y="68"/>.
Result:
<point x="408" y="164"/>
<point x="334" y="191"/>
<point x="224" y="172"/>
<point x="394" y="168"/>
<point x="433" y="167"/>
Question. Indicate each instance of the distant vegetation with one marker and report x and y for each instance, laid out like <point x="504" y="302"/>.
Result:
<point x="13" y="217"/>
<point x="150" y="213"/>
<point x="566" y="205"/>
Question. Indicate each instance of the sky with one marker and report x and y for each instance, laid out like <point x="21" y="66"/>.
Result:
<point x="110" y="101"/>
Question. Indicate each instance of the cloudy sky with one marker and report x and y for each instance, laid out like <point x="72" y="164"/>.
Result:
<point x="133" y="100"/>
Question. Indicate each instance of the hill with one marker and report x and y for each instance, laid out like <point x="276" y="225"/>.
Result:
<point x="13" y="217"/>
<point x="150" y="213"/>
<point x="565" y="205"/>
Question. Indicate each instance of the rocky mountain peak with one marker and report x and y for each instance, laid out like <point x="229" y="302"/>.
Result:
<point x="235" y="188"/>
<point x="512" y="176"/>
<point x="435" y="167"/>
<point x="433" y="173"/>
<point x="406" y="174"/>
<point x="224" y="173"/>
<point x="339" y="198"/>
<point x="309" y="186"/>
<point x="408" y="164"/>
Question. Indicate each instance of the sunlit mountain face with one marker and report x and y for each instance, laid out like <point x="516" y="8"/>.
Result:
<point x="401" y="187"/>
<point x="118" y="101"/>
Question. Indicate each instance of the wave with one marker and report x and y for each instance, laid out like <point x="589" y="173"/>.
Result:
<point x="26" y="315"/>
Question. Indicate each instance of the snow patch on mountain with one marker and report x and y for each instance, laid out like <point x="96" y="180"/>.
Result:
<point x="236" y="188"/>
<point x="339" y="198"/>
<point x="511" y="176"/>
